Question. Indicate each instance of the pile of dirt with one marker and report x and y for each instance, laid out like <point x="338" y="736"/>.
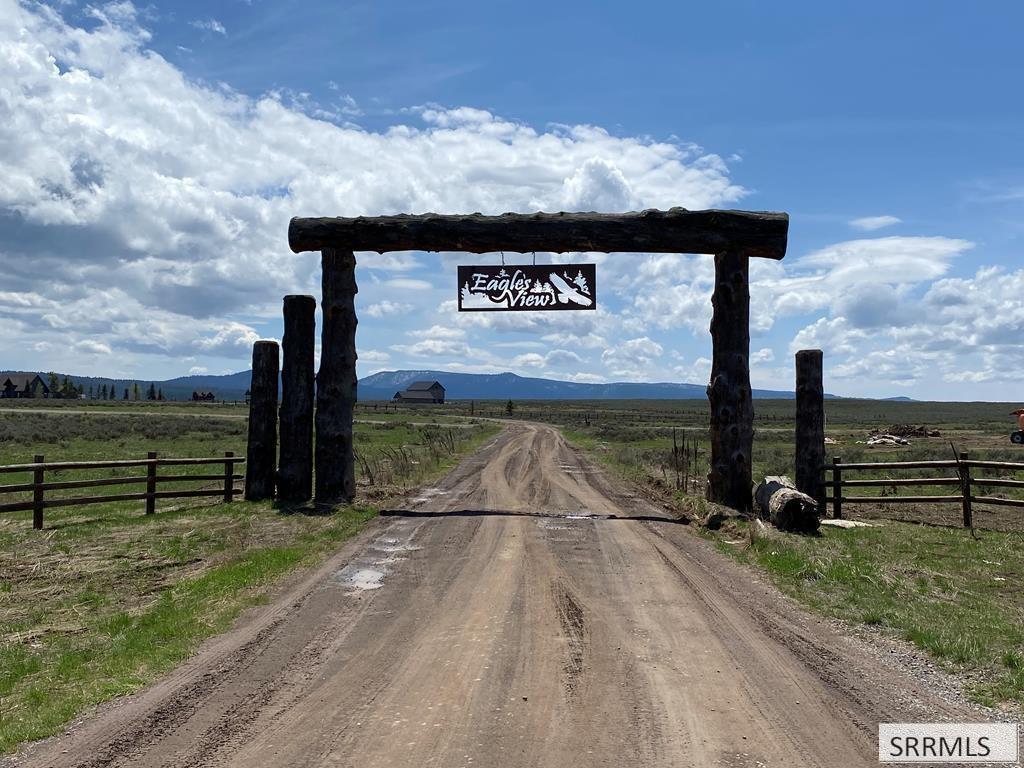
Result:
<point x="905" y="430"/>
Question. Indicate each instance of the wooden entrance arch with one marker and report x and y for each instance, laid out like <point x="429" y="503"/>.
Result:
<point x="732" y="236"/>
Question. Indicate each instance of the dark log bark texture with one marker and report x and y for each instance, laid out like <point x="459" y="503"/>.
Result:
<point x="336" y="383"/>
<point x="295" y="467"/>
<point x="732" y="409"/>
<point x="785" y="507"/>
<point x="754" y="233"/>
<point x="810" y="425"/>
<point x="261" y="453"/>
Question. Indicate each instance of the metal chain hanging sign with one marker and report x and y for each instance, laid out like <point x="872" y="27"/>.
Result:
<point x="527" y="288"/>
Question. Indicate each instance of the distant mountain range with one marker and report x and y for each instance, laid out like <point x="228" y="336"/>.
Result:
<point x="458" y="386"/>
<point x="501" y="386"/>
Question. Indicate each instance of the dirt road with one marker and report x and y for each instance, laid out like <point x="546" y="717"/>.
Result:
<point x="525" y="612"/>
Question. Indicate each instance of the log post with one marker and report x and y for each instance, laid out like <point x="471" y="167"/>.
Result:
<point x="38" y="477"/>
<point x="732" y="409"/>
<point x="837" y="488"/>
<point x="965" y="488"/>
<point x="787" y="508"/>
<point x="336" y="382"/>
<point x="295" y="470"/>
<point x="151" y="483"/>
<point x="229" y="476"/>
<point x="810" y="425"/>
<point x="261" y="452"/>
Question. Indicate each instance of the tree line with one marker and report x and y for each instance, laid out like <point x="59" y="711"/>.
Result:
<point x="68" y="389"/>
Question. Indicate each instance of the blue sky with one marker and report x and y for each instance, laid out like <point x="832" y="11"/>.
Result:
<point x="154" y="153"/>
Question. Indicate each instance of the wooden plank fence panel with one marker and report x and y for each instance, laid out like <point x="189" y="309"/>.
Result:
<point x="964" y="479"/>
<point x="39" y="467"/>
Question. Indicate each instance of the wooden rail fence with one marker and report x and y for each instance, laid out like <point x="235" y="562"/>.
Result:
<point x="151" y="479"/>
<point x="964" y="481"/>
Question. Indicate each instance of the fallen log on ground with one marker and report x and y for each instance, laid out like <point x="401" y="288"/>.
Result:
<point x="784" y="506"/>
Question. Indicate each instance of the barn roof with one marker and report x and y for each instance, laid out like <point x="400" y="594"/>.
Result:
<point x="21" y="380"/>
<point x="422" y="386"/>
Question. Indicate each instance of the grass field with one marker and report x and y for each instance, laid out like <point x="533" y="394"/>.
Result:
<point x="105" y="598"/>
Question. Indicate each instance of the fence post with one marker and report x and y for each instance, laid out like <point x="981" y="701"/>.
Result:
<point x="965" y="488"/>
<point x="229" y="476"/>
<point x="810" y="424"/>
<point x="837" y="488"/>
<point x="151" y="483"/>
<point x="261" y="453"/>
<point x="37" y="495"/>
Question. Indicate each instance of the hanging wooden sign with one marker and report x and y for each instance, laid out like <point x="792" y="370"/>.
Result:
<point x="527" y="288"/>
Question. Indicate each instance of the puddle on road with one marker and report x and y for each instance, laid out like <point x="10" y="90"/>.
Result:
<point x="366" y="578"/>
<point x="368" y="570"/>
<point x="428" y="494"/>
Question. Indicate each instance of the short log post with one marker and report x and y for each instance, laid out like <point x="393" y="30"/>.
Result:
<point x="837" y="488"/>
<point x="295" y="469"/>
<point x="261" y="452"/>
<point x="229" y="476"/>
<point x="964" y="470"/>
<point x="38" y="475"/>
<point x="732" y="409"/>
<point x="787" y="508"/>
<point x="810" y="425"/>
<point x="336" y="383"/>
<point x="151" y="483"/>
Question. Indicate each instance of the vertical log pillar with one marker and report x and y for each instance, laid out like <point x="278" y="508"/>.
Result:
<point x="336" y="383"/>
<point x="295" y="468"/>
<point x="261" y="452"/>
<point x="810" y="426"/>
<point x="37" y="494"/>
<point x="732" y="409"/>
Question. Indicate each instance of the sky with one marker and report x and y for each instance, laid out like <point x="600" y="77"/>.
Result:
<point x="151" y="156"/>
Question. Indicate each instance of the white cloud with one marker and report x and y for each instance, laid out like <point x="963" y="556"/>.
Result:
<point x="387" y="309"/>
<point x="209" y="25"/>
<point x="439" y="332"/>
<point x="631" y="358"/>
<point x="871" y="223"/>
<point x="962" y="330"/>
<point x="93" y="347"/>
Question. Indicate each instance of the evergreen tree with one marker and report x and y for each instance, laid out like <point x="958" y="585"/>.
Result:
<point x="509" y="407"/>
<point x="103" y="392"/>
<point x="135" y="390"/>
<point x="160" y="395"/>
<point x="53" y="382"/>
<point x="126" y="393"/>
<point x="151" y="392"/>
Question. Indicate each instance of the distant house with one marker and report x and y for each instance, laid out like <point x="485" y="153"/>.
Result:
<point x="421" y="392"/>
<point x="203" y="397"/>
<point x="25" y="385"/>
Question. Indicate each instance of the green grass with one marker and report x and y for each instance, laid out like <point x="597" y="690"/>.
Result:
<point x="952" y="595"/>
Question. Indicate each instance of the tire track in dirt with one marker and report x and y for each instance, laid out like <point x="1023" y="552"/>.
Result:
<point x="526" y="611"/>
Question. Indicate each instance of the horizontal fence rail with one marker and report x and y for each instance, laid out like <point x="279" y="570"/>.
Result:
<point x="965" y="479"/>
<point x="152" y="479"/>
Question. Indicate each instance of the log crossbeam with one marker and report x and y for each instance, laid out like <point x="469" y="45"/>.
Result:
<point x="677" y="230"/>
